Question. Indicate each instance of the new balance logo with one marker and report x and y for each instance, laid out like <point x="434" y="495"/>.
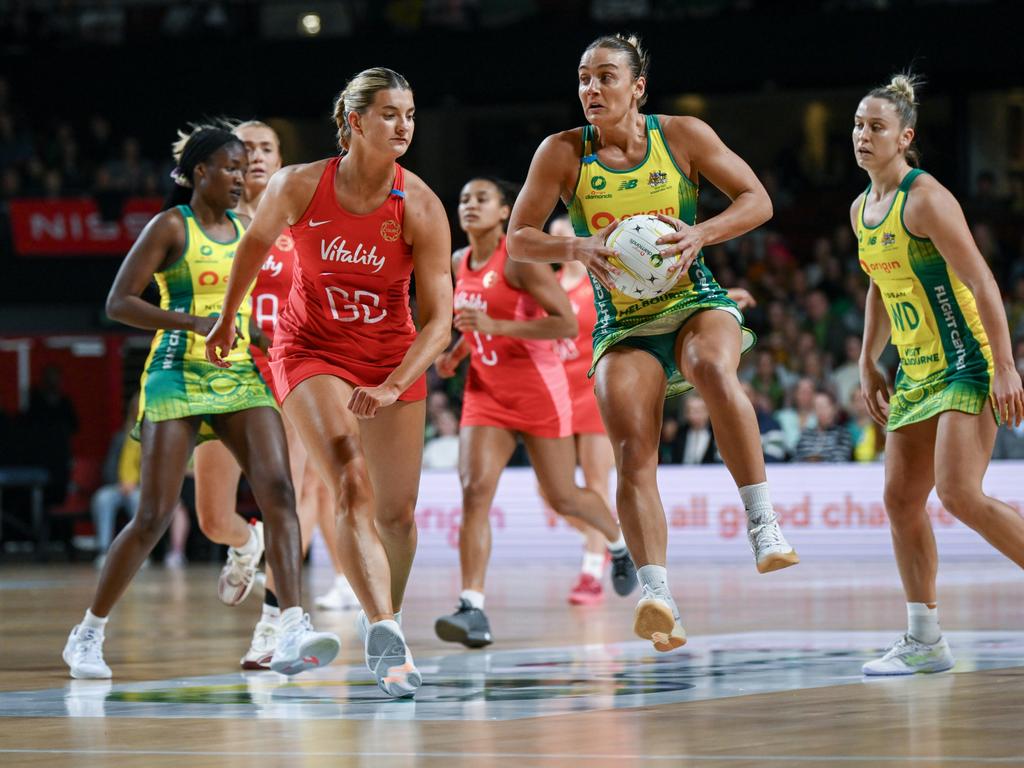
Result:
<point x="336" y="251"/>
<point x="319" y="223"/>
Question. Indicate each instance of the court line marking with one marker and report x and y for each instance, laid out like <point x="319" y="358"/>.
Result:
<point x="974" y="760"/>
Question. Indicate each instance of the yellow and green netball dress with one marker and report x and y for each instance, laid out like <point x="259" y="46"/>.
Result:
<point x="178" y="381"/>
<point x="945" y="358"/>
<point x="655" y="186"/>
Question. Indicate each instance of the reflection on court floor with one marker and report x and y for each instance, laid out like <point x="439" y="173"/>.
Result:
<point x="513" y="684"/>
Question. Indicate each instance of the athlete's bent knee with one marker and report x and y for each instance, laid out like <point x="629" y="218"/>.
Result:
<point x="709" y="374"/>
<point x="965" y="504"/>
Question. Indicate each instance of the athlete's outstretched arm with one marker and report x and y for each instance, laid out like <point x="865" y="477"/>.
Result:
<point x="540" y="282"/>
<point x="709" y="157"/>
<point x="160" y="244"/>
<point x="934" y="213"/>
<point x="272" y="216"/>
<point x="552" y="165"/>
<point x="427" y="226"/>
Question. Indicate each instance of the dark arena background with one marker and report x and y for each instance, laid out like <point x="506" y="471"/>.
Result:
<point x="92" y="95"/>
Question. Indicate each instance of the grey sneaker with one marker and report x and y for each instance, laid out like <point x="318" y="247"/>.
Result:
<point x="390" y="660"/>
<point x="907" y="656"/>
<point x="623" y="574"/>
<point x="468" y="625"/>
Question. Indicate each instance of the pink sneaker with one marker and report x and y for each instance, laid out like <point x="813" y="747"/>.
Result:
<point x="587" y="591"/>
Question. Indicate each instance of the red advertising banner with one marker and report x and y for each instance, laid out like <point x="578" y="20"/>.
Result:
<point x="74" y="227"/>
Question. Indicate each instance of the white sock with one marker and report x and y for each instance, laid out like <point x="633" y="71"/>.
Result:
<point x="923" y="623"/>
<point x="655" y="578"/>
<point x="250" y="547"/>
<point x="395" y="626"/>
<point x="291" y="616"/>
<point x="593" y="564"/>
<point x="92" y="621"/>
<point x="757" y="503"/>
<point x="398" y="617"/>
<point x="271" y="614"/>
<point x="474" y="598"/>
<point x="618" y="546"/>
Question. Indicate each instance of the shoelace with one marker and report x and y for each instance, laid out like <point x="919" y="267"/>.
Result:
<point x="89" y="646"/>
<point x="906" y="644"/>
<point x="620" y="566"/>
<point x="767" y="535"/>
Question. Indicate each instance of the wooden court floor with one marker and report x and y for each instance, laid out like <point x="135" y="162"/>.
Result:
<point x="770" y="676"/>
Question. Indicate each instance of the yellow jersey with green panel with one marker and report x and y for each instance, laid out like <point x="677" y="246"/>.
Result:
<point x="178" y="381"/>
<point x="945" y="357"/>
<point x="656" y="185"/>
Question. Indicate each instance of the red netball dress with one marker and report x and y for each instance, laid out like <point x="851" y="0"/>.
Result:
<point x="347" y="313"/>
<point x="516" y="384"/>
<point x="576" y="356"/>
<point x="270" y="295"/>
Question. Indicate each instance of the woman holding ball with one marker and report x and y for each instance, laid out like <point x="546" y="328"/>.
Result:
<point x="623" y="163"/>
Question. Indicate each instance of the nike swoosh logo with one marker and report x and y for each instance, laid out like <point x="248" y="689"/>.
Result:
<point x="318" y="223"/>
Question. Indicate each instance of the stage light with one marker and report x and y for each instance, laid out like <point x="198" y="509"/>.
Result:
<point x="309" y="23"/>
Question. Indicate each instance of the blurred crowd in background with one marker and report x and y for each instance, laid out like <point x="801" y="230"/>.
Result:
<point x="801" y="272"/>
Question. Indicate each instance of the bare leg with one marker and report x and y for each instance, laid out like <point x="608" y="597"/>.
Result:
<point x="596" y="458"/>
<point x="393" y="444"/>
<point x="909" y="478"/>
<point x="256" y="437"/>
<point x="708" y="351"/>
<point x="305" y="506"/>
<point x="317" y="407"/>
<point x="483" y="454"/>
<point x="554" y="461"/>
<point x="631" y="391"/>
<point x="180" y="526"/>
<point x="217" y="474"/>
<point x="166" y="446"/>
<point x="963" y="448"/>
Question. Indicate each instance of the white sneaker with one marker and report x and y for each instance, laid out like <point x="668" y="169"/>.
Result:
<point x="771" y="550"/>
<point x="299" y="648"/>
<point x="83" y="653"/>
<point x="390" y="661"/>
<point x="907" y="656"/>
<point x="656" y="620"/>
<point x="338" y="598"/>
<point x="239" y="572"/>
<point x="261" y="650"/>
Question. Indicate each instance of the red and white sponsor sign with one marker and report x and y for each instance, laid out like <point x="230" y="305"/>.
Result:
<point x="74" y="227"/>
<point x="828" y="512"/>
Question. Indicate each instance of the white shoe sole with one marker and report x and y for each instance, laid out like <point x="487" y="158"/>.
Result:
<point x="944" y="667"/>
<point x="85" y="674"/>
<point x="317" y="652"/>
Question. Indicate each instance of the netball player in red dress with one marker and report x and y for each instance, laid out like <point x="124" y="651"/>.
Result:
<point x="594" y="452"/>
<point x="216" y="469"/>
<point x="508" y="314"/>
<point x="347" y="361"/>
